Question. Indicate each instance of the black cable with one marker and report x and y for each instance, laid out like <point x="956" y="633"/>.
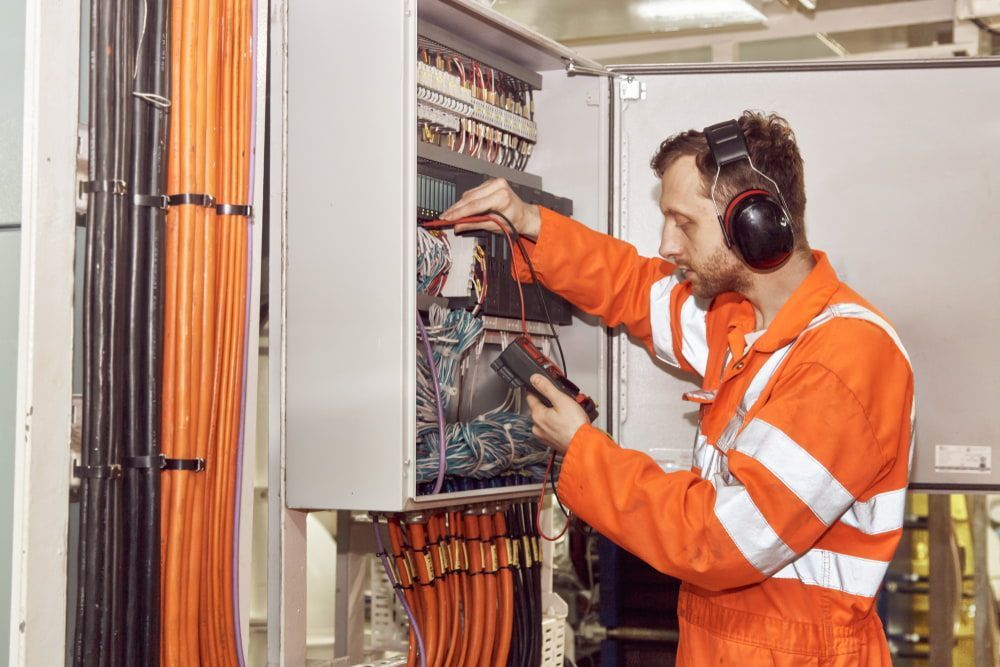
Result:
<point x="515" y="522"/>
<point x="155" y="284"/>
<point x="113" y="621"/>
<point x="534" y="278"/>
<point x="90" y="602"/>
<point x="145" y="321"/>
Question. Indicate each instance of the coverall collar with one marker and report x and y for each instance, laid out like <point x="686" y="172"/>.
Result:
<point x="806" y="302"/>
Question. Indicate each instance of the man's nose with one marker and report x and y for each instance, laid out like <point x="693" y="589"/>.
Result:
<point x="670" y="242"/>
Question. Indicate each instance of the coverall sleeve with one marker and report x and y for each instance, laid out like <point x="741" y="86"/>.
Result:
<point x="791" y="472"/>
<point x="606" y="277"/>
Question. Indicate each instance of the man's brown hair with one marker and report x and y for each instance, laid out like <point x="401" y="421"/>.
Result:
<point x="772" y="148"/>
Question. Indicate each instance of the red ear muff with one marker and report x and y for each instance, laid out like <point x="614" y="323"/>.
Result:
<point x="756" y="224"/>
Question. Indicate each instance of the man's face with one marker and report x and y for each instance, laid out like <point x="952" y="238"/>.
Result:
<point x="692" y="238"/>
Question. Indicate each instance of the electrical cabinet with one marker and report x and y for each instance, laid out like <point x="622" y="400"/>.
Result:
<point x="899" y="200"/>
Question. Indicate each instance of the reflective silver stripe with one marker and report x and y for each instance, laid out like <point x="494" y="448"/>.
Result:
<point x="747" y="527"/>
<point x="728" y="435"/>
<point x="707" y="458"/>
<point x="694" y="340"/>
<point x="700" y="445"/>
<point x="862" y="313"/>
<point x="804" y="476"/>
<point x="879" y="514"/>
<point x="763" y="376"/>
<point x="840" y="572"/>
<point x="694" y="333"/>
<point x="659" y="319"/>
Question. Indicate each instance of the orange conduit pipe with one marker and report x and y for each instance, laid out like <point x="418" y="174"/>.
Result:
<point x="439" y="586"/>
<point x="454" y="592"/>
<point x="506" y="596"/>
<point x="231" y="187"/>
<point x="460" y="559"/>
<point x="437" y="533"/>
<point x="490" y="597"/>
<point x="426" y="589"/>
<point x="204" y="325"/>
<point x="177" y="421"/>
<point x="205" y="342"/>
<point x="476" y="610"/>
<point x="404" y="573"/>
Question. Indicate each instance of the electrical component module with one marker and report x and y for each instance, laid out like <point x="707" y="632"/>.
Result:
<point x="474" y="109"/>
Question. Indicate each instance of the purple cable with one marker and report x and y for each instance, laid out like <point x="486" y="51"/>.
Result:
<point x="399" y="594"/>
<point x="442" y="443"/>
<point x="241" y="659"/>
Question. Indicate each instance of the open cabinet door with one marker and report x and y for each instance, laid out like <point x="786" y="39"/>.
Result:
<point x="903" y="182"/>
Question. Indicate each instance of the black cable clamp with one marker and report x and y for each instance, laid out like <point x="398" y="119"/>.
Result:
<point x="242" y="210"/>
<point x="161" y="202"/>
<point x="113" y="186"/>
<point x="163" y="463"/>
<point x="110" y="471"/>
<point x="206" y="201"/>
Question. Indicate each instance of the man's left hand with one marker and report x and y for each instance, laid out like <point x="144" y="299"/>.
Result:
<point x="557" y="425"/>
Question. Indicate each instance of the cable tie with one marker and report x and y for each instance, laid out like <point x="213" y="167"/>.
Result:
<point x="158" y="101"/>
<point x="161" y="462"/>
<point x="142" y="462"/>
<point x="161" y="202"/>
<point x="207" y="201"/>
<point x="113" y="187"/>
<point x="110" y="471"/>
<point x="190" y="465"/>
<point x="242" y="210"/>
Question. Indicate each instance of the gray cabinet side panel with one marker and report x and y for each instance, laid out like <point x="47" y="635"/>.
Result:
<point x="350" y="262"/>
<point x="902" y="178"/>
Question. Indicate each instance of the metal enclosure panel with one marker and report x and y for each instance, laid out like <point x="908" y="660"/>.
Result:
<point x="351" y="254"/>
<point x="572" y="157"/>
<point x="902" y="176"/>
<point x="41" y="472"/>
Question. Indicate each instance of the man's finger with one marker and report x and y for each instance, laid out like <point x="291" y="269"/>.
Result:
<point x="474" y="226"/>
<point x="545" y="387"/>
<point x="466" y="207"/>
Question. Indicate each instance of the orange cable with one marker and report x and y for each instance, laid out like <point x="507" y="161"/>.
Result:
<point x="506" y="580"/>
<point x="476" y="611"/>
<point x="490" y="596"/>
<point x="426" y="590"/>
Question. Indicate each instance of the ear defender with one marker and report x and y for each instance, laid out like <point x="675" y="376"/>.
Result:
<point x="756" y="222"/>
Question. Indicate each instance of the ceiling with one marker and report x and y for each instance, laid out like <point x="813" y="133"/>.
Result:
<point x="632" y="31"/>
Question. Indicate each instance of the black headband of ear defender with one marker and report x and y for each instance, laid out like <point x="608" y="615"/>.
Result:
<point x="756" y="222"/>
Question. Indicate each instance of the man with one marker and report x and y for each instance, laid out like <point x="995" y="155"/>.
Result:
<point x="784" y="527"/>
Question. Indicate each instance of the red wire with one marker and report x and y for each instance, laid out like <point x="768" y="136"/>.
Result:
<point x="541" y="497"/>
<point x="445" y="224"/>
<point x="520" y="291"/>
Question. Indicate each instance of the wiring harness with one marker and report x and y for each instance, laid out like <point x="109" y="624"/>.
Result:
<point x="487" y="446"/>
<point x="470" y="583"/>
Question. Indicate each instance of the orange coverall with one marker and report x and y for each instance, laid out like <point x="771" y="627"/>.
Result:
<point x="783" y="529"/>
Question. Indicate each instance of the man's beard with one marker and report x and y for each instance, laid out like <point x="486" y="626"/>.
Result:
<point x="722" y="272"/>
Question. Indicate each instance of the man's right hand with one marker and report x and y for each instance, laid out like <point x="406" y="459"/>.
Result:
<point x="495" y="195"/>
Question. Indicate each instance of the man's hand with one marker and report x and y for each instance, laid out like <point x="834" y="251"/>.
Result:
<point x="557" y="425"/>
<point x="495" y="195"/>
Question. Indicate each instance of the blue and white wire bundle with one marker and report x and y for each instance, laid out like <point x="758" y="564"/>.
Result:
<point x="490" y="445"/>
